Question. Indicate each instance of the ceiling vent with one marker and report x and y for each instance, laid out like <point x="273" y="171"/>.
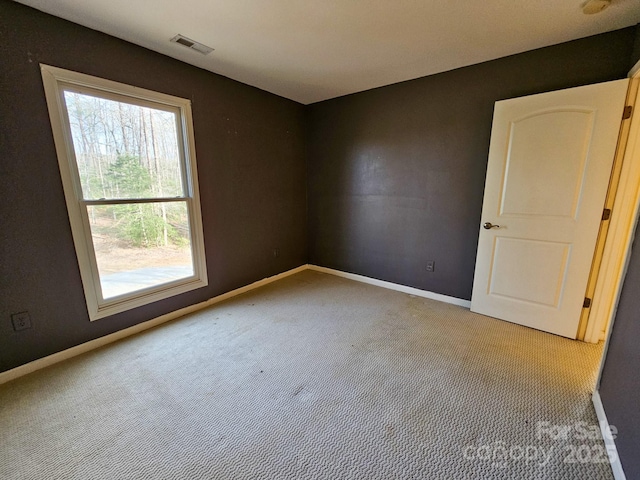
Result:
<point x="192" y="44"/>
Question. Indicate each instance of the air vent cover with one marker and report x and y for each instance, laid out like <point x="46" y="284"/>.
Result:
<point x="192" y="44"/>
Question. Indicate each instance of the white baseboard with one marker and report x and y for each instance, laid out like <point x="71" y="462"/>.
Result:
<point x="113" y="337"/>
<point x="609" y="442"/>
<point x="394" y="286"/>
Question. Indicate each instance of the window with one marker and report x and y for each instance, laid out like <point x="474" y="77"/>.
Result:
<point x="128" y="168"/>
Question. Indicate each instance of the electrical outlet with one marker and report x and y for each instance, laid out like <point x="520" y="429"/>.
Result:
<point x="431" y="266"/>
<point x="21" y="321"/>
<point x="276" y="252"/>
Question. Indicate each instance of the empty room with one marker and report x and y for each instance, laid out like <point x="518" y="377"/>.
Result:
<point x="319" y="240"/>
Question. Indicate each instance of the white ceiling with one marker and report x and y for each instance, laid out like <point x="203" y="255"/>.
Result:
<point x="318" y="49"/>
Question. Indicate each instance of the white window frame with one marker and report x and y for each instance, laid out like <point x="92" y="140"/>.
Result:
<point x="55" y="80"/>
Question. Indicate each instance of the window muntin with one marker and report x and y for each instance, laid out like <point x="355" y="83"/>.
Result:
<point x="127" y="163"/>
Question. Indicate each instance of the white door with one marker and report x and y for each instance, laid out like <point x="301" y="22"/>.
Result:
<point x="549" y="165"/>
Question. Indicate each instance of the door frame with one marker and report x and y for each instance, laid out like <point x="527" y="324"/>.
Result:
<point x="626" y="206"/>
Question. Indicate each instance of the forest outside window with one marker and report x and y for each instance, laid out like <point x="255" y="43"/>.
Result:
<point x="128" y="169"/>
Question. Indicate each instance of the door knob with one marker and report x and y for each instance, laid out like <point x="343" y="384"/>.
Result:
<point x="489" y="225"/>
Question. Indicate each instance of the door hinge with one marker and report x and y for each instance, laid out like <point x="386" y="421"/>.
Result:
<point x="586" y="303"/>
<point x="626" y="113"/>
<point x="606" y="214"/>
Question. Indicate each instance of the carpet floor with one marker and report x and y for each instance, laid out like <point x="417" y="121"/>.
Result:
<point x="312" y="377"/>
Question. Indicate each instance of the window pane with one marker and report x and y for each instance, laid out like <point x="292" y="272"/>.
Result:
<point x="140" y="245"/>
<point x="124" y="150"/>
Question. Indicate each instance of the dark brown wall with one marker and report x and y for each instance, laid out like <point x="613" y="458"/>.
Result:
<point x="396" y="174"/>
<point x="251" y="167"/>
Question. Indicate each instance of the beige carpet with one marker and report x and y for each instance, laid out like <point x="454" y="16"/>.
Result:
<point x="312" y="377"/>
